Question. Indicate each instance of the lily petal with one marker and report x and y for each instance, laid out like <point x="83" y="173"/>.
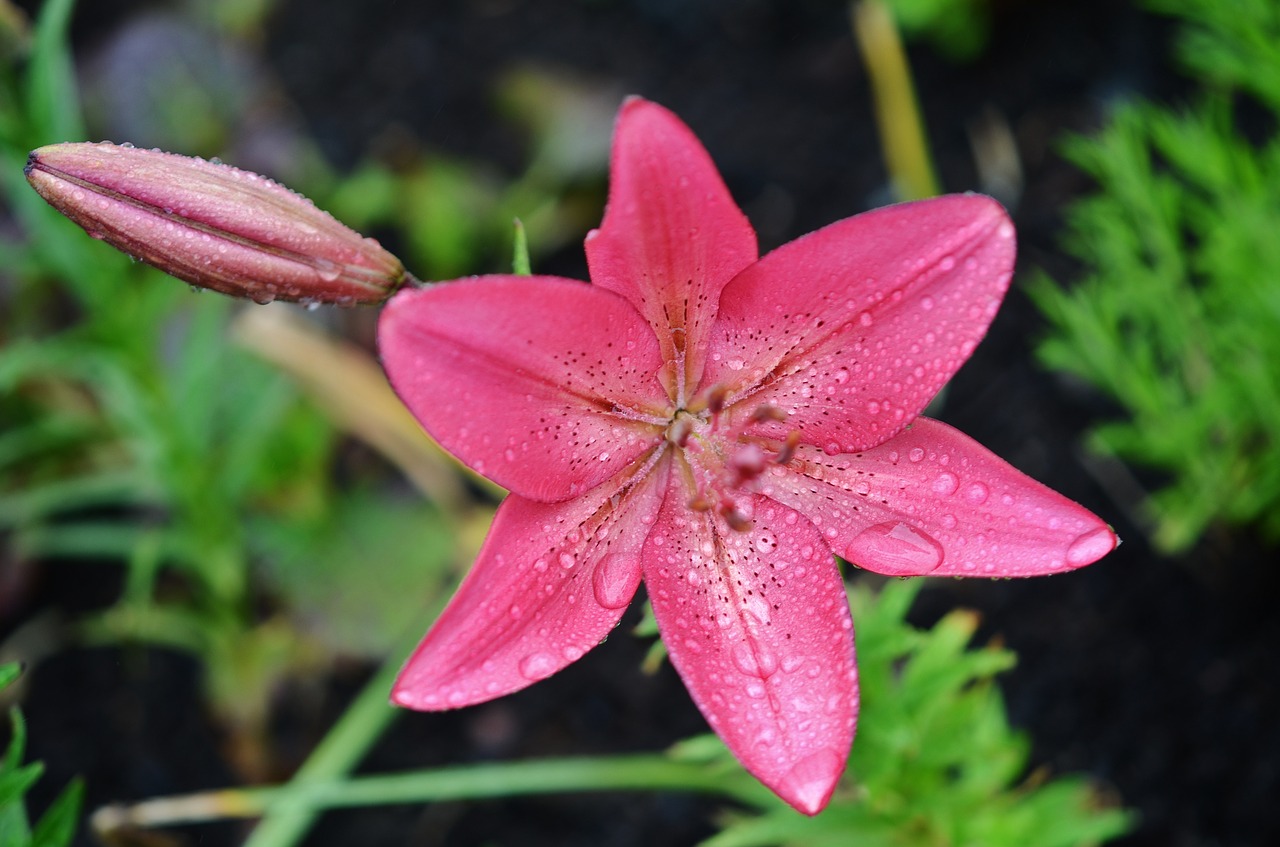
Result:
<point x="547" y="386"/>
<point x="757" y="624"/>
<point x="671" y="236"/>
<point x="551" y="581"/>
<point x="852" y="329"/>
<point x="932" y="501"/>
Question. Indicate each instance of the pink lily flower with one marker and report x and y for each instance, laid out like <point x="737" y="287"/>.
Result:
<point x="718" y="425"/>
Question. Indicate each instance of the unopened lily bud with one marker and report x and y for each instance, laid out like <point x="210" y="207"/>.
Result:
<point x="213" y="225"/>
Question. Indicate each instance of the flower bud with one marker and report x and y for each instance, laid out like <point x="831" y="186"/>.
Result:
<point x="213" y="225"/>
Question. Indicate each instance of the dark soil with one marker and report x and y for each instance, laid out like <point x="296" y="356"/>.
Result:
<point x="1155" y="677"/>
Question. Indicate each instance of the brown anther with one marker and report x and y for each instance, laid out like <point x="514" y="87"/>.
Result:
<point x="716" y="398"/>
<point x="747" y="462"/>
<point x="733" y="516"/>
<point x="788" y="450"/>
<point x="700" y="504"/>
<point x="767" y="412"/>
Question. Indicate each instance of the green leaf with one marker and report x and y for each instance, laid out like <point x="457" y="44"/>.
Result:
<point x="53" y="99"/>
<point x="57" y="826"/>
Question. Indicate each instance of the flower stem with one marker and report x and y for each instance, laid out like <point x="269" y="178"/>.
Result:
<point x="305" y="798"/>
<point x="902" y="139"/>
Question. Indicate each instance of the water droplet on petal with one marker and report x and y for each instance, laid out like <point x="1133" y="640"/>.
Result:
<point x="1090" y="547"/>
<point x="946" y="483"/>
<point x="977" y="493"/>
<point x="615" y="580"/>
<point x="895" y="548"/>
<point x="537" y="666"/>
<point x="916" y="454"/>
<point x="567" y="560"/>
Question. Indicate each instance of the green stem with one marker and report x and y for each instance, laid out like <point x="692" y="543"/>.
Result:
<point x="359" y="728"/>
<point x="637" y="772"/>
<point x="902" y="139"/>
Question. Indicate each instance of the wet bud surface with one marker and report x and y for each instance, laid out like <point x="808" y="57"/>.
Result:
<point x="213" y="225"/>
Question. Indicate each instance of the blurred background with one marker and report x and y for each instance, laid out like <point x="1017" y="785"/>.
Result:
<point x="214" y="527"/>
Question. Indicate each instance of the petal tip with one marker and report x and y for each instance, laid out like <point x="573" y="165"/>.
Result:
<point x="808" y="786"/>
<point x="1091" y="546"/>
<point x="410" y="698"/>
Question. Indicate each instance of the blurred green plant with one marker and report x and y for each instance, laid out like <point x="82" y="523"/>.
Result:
<point x="936" y="764"/>
<point x="57" y="826"/>
<point x="1174" y="316"/>
<point x="957" y="29"/>
<point x="453" y="215"/>
<point x="135" y="435"/>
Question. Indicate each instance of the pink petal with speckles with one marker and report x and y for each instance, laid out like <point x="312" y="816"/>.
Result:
<point x="546" y="386"/>
<point x="932" y="501"/>
<point x="852" y="329"/>
<point x="672" y="235"/>
<point x="757" y="624"/>
<point x="550" y="583"/>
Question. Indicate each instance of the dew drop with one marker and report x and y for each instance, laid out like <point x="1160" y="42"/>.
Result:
<point x="615" y="580"/>
<point x="693" y="578"/>
<point x="327" y="270"/>
<point x="567" y="560"/>
<point x="537" y="666"/>
<point x="946" y="483"/>
<point x="916" y="454"/>
<point x="895" y="548"/>
<point x="791" y="664"/>
<point x="1090" y="547"/>
<point x="766" y="541"/>
<point x="977" y="493"/>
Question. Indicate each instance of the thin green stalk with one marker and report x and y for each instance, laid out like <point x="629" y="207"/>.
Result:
<point x="637" y="772"/>
<point x="359" y="728"/>
<point x="902" y="138"/>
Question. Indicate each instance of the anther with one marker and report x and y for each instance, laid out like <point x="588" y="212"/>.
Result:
<point x="700" y="504"/>
<point x="716" y="398"/>
<point x="747" y="462"/>
<point x="767" y="412"/>
<point x="788" y="450"/>
<point x="733" y="516"/>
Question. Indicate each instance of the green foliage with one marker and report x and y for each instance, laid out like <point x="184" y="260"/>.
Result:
<point x="137" y="437"/>
<point x="1175" y="315"/>
<point x="935" y="763"/>
<point x="57" y="826"/>
<point x="1234" y="44"/>
<point x="958" y="29"/>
